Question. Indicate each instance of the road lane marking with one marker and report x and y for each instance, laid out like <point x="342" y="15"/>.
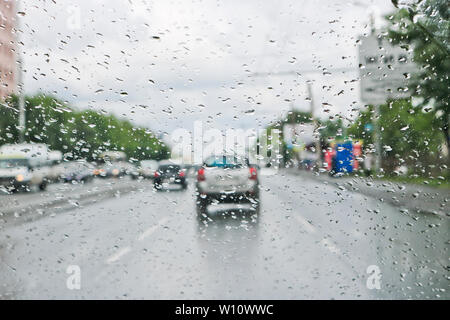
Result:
<point x="119" y="254"/>
<point x="308" y="226"/>
<point x="330" y="246"/>
<point x="152" y="229"/>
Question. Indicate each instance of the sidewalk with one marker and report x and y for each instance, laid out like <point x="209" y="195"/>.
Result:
<point x="408" y="196"/>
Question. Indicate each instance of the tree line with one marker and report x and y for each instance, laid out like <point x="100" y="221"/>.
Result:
<point x="77" y="134"/>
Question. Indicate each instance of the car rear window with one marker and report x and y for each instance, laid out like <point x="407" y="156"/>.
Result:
<point x="225" y="162"/>
<point x="169" y="168"/>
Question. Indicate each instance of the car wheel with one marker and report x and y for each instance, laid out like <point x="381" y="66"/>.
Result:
<point x="158" y="186"/>
<point x="202" y="205"/>
<point x="43" y="185"/>
<point x="256" y="203"/>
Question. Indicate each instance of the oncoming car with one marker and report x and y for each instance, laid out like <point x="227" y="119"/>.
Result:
<point x="77" y="171"/>
<point x="227" y="179"/>
<point x="17" y="173"/>
<point x="147" y="168"/>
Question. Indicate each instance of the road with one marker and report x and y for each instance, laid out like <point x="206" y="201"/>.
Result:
<point x="311" y="240"/>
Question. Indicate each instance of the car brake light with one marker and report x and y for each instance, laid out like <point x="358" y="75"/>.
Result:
<point x="201" y="174"/>
<point x="253" y="173"/>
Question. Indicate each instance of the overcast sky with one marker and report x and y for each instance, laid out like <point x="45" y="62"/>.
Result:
<point x="163" y="64"/>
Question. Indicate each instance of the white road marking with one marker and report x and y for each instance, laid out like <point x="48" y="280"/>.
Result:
<point x="330" y="246"/>
<point x="324" y="242"/>
<point x="119" y="254"/>
<point x="152" y="229"/>
<point x="308" y="226"/>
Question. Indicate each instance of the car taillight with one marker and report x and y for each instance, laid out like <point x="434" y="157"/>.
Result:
<point x="201" y="174"/>
<point x="181" y="174"/>
<point x="156" y="174"/>
<point x="253" y="174"/>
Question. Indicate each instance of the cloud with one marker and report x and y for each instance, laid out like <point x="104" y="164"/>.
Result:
<point x="164" y="64"/>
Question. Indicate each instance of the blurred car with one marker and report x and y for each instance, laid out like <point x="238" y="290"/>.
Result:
<point x="113" y="164"/>
<point x="77" y="171"/>
<point x="147" y="168"/>
<point x="112" y="156"/>
<point x="18" y="173"/>
<point x="127" y="169"/>
<point x="100" y="171"/>
<point x="227" y="178"/>
<point x="110" y="170"/>
<point x="24" y="165"/>
<point x="56" y="172"/>
<point x="169" y="173"/>
<point x="56" y="169"/>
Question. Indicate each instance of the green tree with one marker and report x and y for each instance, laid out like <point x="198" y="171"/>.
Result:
<point x="331" y="129"/>
<point x="295" y="116"/>
<point x="424" y="26"/>
<point x="409" y="135"/>
<point x="78" y="134"/>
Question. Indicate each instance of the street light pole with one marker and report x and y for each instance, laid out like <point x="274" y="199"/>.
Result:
<point x="376" y="137"/>
<point x="21" y="102"/>
<point x="20" y="83"/>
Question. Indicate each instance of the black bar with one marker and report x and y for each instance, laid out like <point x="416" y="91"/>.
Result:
<point x="220" y="309"/>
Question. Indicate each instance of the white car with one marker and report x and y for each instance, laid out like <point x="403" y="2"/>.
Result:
<point x="56" y="172"/>
<point x="147" y="168"/>
<point x="227" y="179"/>
<point x="16" y="173"/>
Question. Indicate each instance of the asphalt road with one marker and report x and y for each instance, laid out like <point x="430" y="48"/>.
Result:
<point x="311" y="240"/>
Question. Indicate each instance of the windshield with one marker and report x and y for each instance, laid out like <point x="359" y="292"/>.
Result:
<point x="225" y="149"/>
<point x="169" y="168"/>
<point x="13" y="163"/>
<point x="76" y="166"/>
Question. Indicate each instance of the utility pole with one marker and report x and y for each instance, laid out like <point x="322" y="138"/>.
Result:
<point x="21" y="101"/>
<point x="20" y="83"/>
<point x="316" y="126"/>
<point x="376" y="137"/>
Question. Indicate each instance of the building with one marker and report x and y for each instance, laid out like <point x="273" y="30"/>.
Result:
<point x="8" y="56"/>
